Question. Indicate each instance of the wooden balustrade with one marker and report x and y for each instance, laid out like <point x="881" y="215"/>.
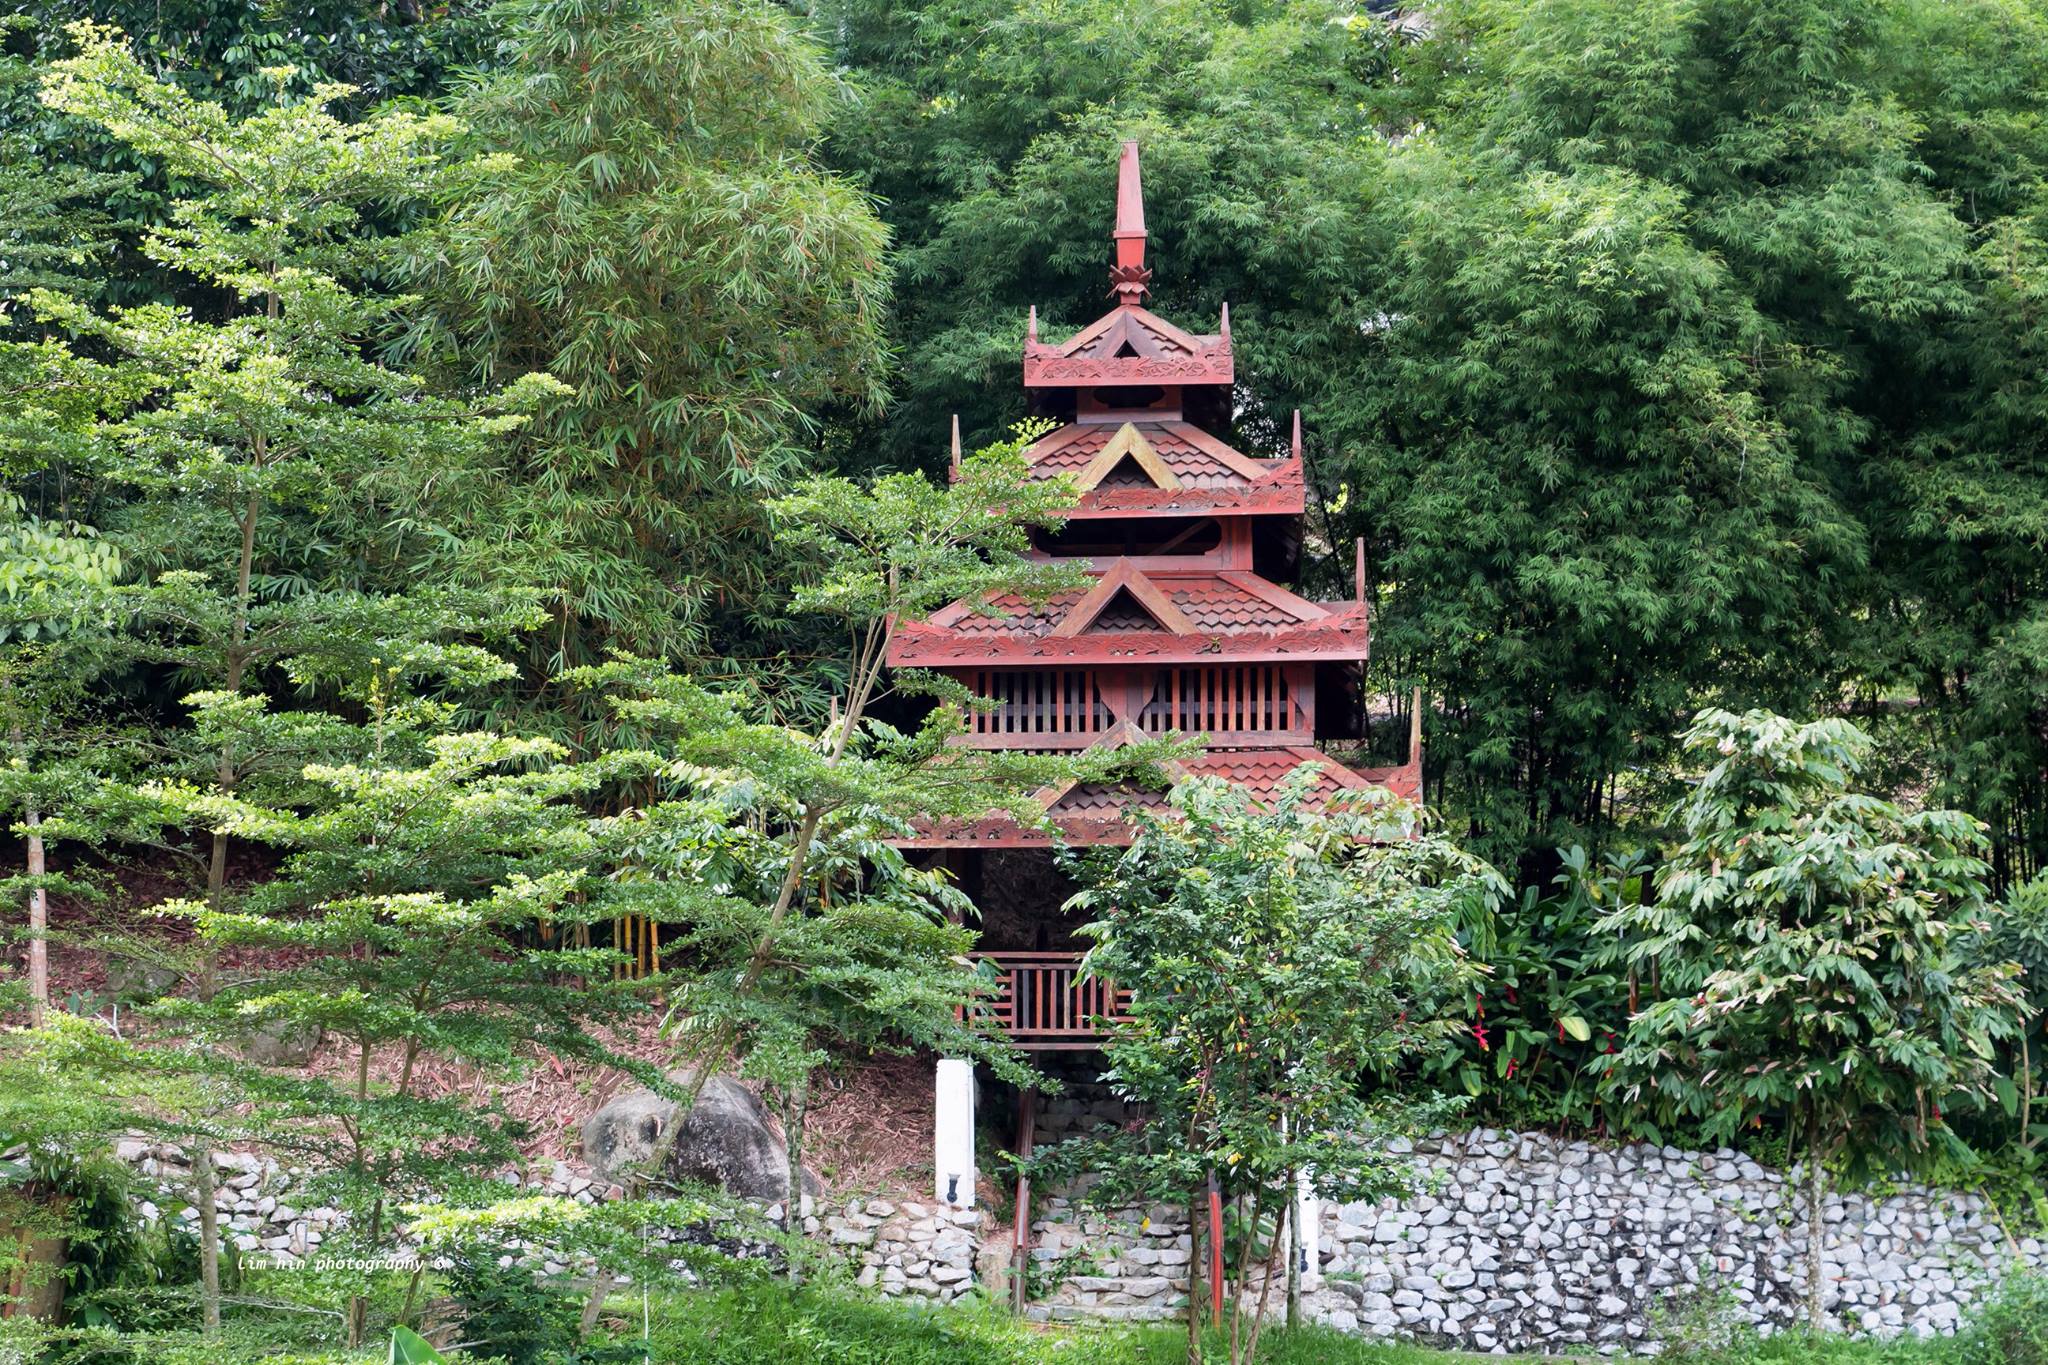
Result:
<point x="1045" y="1004"/>
<point x="1071" y="708"/>
<point x="1050" y="709"/>
<point x="1246" y="699"/>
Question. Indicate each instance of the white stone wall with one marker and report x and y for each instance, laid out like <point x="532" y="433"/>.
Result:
<point x="1527" y="1243"/>
<point x="1520" y="1242"/>
<point x="1515" y="1242"/>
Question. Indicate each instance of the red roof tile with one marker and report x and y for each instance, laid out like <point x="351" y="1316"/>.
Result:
<point x="1093" y="813"/>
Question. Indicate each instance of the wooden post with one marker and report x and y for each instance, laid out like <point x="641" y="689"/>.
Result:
<point x="1020" y="1240"/>
<point x="1415" y="730"/>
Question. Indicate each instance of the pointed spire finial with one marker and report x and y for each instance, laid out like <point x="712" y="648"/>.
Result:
<point x="1129" y="277"/>
<point x="1225" y="331"/>
<point x="1031" y="328"/>
<point x="1358" y="583"/>
<point x="1297" y="433"/>
<point x="956" y="445"/>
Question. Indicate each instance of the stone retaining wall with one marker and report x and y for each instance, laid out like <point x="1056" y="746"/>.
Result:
<point x="1515" y="1242"/>
<point x="1521" y="1242"/>
<point x="253" y="1196"/>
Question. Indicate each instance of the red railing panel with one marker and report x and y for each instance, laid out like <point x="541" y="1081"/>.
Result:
<point x="1043" y="1001"/>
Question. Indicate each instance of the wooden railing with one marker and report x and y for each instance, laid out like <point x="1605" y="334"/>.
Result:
<point x="1053" y="709"/>
<point x="1248" y="699"/>
<point x="1045" y="1005"/>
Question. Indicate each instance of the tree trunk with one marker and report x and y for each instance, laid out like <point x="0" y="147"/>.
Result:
<point x="1246" y="1240"/>
<point x="793" y="1136"/>
<point x="1293" y="1226"/>
<point x="38" y="926"/>
<point x="1282" y="1233"/>
<point x="359" y="1304"/>
<point x="38" y="905"/>
<point x="203" y="1186"/>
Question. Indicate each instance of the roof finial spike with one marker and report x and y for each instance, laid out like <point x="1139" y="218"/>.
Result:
<point x="1297" y="434"/>
<point x="1358" y="580"/>
<point x="1031" y="328"/>
<point x="1225" y="333"/>
<point x="956" y="446"/>
<point x="1128" y="277"/>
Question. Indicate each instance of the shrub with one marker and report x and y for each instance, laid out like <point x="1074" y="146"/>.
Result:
<point x="2011" y="1328"/>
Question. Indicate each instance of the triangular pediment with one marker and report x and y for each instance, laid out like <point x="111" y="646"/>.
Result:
<point x="1124" y="585"/>
<point x="1127" y="332"/>
<point x="1123" y="612"/>
<point x="1132" y="459"/>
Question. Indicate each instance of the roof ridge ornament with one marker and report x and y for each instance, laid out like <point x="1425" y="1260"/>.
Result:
<point x="1128" y="278"/>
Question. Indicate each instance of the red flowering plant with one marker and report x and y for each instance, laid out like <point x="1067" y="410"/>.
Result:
<point x="1540" y="1027"/>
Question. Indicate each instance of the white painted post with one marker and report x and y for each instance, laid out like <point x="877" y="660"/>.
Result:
<point x="1308" y="1216"/>
<point x="953" y="1132"/>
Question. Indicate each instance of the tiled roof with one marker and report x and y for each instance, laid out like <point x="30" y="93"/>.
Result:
<point x="1198" y="459"/>
<point x="1096" y="813"/>
<point x="1128" y="345"/>
<point x="1259" y="771"/>
<point x="1210" y="601"/>
<point x="1159" y="617"/>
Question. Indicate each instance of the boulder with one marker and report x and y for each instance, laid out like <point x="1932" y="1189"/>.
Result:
<point x="281" y="1043"/>
<point x="724" y="1140"/>
<point x="137" y="982"/>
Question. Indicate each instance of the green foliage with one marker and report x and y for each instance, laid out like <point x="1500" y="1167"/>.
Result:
<point x="1273" y="956"/>
<point x="2011" y="1328"/>
<point x="425" y="906"/>
<point x="1545" y="1020"/>
<point x="990" y="129"/>
<point x="410" y="1348"/>
<point x="2018" y="933"/>
<point x="805" y="933"/>
<point x="1807" y="940"/>
<point x="1671" y="403"/>
<point x="646" y="222"/>
<point x="771" y="1325"/>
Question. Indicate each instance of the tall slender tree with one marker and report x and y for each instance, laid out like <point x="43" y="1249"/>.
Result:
<point x="653" y="230"/>
<point x="1808" y="943"/>
<point x="255" y="449"/>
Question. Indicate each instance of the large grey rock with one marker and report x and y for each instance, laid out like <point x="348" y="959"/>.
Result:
<point x="135" y="981"/>
<point x="280" y="1043"/>
<point x="724" y="1140"/>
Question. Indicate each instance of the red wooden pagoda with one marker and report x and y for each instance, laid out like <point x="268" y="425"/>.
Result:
<point x="1185" y="628"/>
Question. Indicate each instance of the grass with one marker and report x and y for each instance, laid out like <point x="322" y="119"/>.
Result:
<point x="767" y="1323"/>
<point x="770" y="1326"/>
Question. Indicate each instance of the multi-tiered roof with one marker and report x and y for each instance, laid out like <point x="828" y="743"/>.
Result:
<point x="1180" y="631"/>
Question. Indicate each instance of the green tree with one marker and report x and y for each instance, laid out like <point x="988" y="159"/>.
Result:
<point x="1807" y="940"/>
<point x="801" y="931"/>
<point x="261" y="470"/>
<point x="1698" y="344"/>
<point x="652" y="229"/>
<point x="225" y="52"/>
<point x="2018" y="933"/>
<point x="1274" y="956"/>
<point x="427" y="908"/>
<point x="51" y="651"/>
